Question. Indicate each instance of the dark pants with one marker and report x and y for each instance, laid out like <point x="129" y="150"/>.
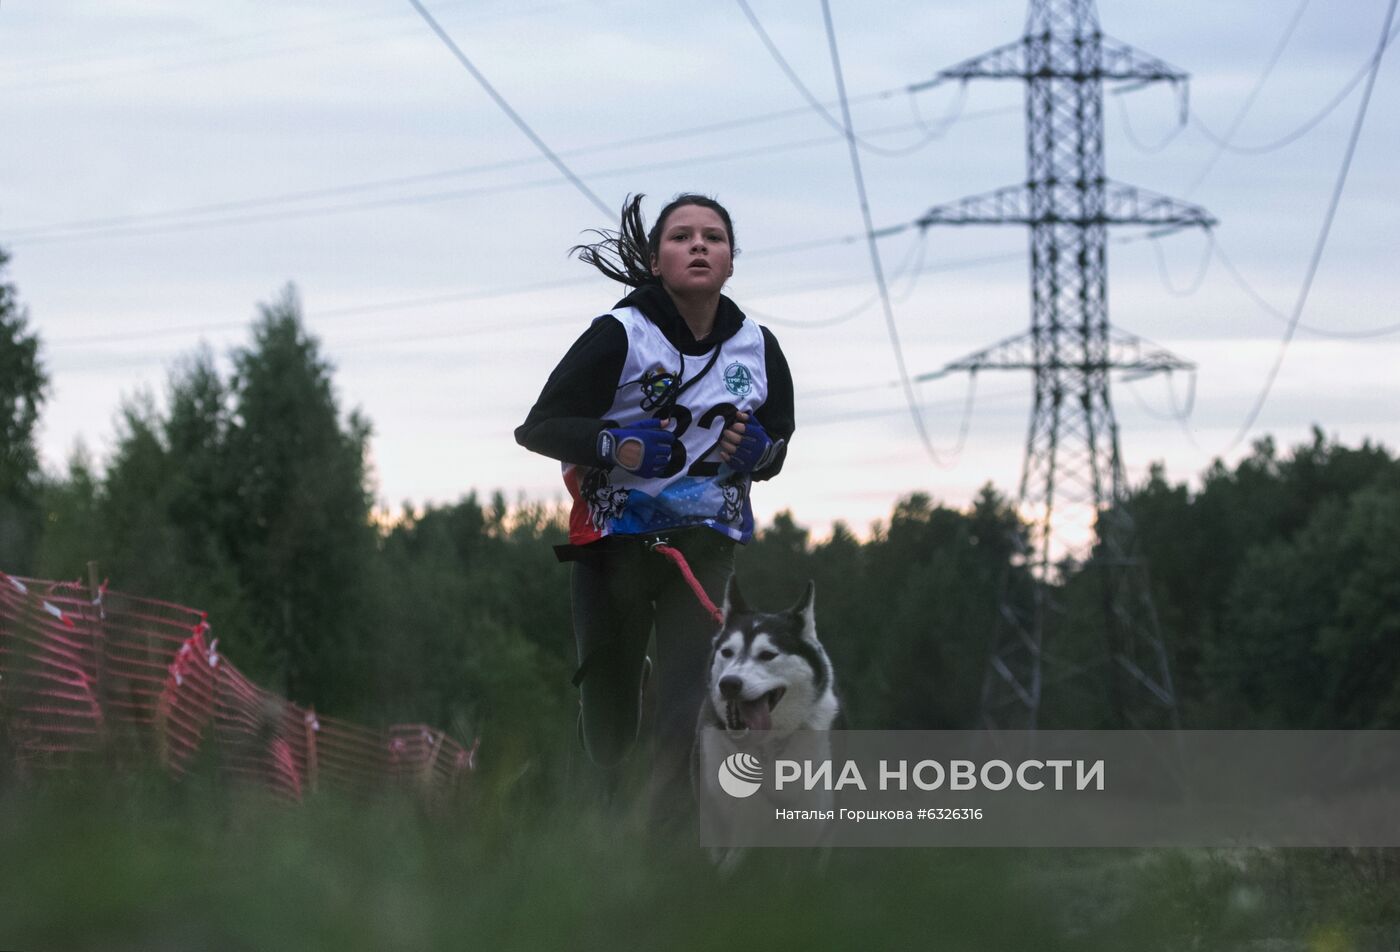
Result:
<point x="620" y="589"/>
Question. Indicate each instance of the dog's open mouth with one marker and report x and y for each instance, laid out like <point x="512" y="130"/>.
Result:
<point x="756" y="715"/>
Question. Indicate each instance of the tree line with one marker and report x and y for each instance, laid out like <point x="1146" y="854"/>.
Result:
<point x="248" y="494"/>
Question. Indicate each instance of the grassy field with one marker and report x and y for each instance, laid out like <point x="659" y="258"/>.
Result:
<point x="115" y="863"/>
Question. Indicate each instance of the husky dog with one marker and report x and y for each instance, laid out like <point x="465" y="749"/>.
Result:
<point x="770" y="692"/>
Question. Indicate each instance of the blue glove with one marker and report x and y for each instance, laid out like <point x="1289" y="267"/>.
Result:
<point x="657" y="446"/>
<point x="756" y="448"/>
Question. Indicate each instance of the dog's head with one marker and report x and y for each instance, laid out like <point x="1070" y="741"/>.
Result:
<point x="767" y="671"/>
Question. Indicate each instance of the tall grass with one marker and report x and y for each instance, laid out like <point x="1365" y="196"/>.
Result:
<point x="117" y="862"/>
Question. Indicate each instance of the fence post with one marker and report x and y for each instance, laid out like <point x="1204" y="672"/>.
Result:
<point x="312" y="771"/>
<point x="99" y="645"/>
<point x="429" y="768"/>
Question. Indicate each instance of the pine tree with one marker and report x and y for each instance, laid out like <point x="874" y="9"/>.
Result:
<point x="23" y="386"/>
<point x="298" y="525"/>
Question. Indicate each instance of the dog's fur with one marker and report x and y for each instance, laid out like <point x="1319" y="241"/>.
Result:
<point x="771" y="691"/>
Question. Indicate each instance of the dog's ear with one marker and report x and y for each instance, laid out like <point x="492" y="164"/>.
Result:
<point x="805" y="609"/>
<point x="733" y="598"/>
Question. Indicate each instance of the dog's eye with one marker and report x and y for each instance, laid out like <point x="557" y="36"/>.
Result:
<point x="766" y="655"/>
<point x="726" y="652"/>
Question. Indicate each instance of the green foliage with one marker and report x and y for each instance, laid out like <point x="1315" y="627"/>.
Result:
<point x="247" y="498"/>
<point x="300" y="533"/>
<point x="71" y="518"/>
<point x="473" y="629"/>
<point x="906" y="616"/>
<point x="1274" y="583"/>
<point x="103" y="863"/>
<point x="23" y="387"/>
<point x="1314" y="621"/>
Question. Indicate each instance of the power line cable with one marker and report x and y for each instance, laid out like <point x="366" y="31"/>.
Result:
<point x="424" y="198"/>
<point x="511" y="290"/>
<point x="300" y="195"/>
<point x="1201" y="270"/>
<point x="1125" y="116"/>
<point x="97" y="232"/>
<point x="1183" y="413"/>
<point x="200" y="63"/>
<point x="1172" y="415"/>
<point x="950" y="116"/>
<point x="954" y="264"/>
<point x="1332" y="206"/>
<point x="514" y="116"/>
<point x="29" y="67"/>
<point x="821" y="110"/>
<point x="458" y="333"/>
<point x="1248" y="104"/>
<point x="1177" y="415"/>
<point x="1250" y="292"/>
<point x="871" y="244"/>
<point x="918" y="246"/>
<point x="1006" y="396"/>
<point x="1309" y="124"/>
<point x="965" y="426"/>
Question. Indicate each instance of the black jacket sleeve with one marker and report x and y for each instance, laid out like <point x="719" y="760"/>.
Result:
<point x="777" y="413"/>
<point x="565" y="421"/>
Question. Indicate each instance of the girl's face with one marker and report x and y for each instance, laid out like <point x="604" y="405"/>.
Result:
<point x="694" y="258"/>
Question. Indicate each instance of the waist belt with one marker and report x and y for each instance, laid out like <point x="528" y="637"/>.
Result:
<point x="688" y="536"/>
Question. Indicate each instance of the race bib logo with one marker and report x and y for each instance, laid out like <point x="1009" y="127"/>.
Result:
<point x="738" y="380"/>
<point x="657" y="384"/>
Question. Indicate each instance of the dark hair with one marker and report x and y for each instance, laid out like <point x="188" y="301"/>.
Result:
<point x="625" y="255"/>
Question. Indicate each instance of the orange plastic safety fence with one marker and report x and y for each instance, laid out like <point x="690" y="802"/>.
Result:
<point x="79" y="673"/>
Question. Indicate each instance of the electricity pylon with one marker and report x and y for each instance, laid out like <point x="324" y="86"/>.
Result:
<point x="1072" y="477"/>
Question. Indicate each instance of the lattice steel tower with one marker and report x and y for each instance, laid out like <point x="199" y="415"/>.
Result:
<point x="1072" y="476"/>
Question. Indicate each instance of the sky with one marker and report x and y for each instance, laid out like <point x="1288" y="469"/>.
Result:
<point x="167" y="166"/>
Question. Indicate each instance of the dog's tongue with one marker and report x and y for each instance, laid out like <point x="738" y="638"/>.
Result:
<point x="756" y="714"/>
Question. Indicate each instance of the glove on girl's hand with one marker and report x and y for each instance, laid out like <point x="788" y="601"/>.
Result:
<point x="643" y="448"/>
<point x="749" y="446"/>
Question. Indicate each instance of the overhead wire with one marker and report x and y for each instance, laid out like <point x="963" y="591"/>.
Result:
<point x="1248" y="103"/>
<point x="821" y="110"/>
<point x="1269" y="309"/>
<point x="1321" y="244"/>
<point x="871" y="244"/>
<point x="1183" y="412"/>
<point x="1201" y="270"/>
<point x="950" y="116"/>
<point x="317" y="316"/>
<point x="423" y="198"/>
<point x="1177" y="414"/>
<point x="28" y="67"/>
<point x="30" y="83"/>
<point x="510" y="112"/>
<point x="480" y="15"/>
<point x="1307" y="125"/>
<point x="300" y="195"/>
<point x="1214" y="250"/>
<point x="95" y="229"/>
<point x="907" y="265"/>
<point x="1005" y="396"/>
<point x="476" y="294"/>
<point x="1125" y="116"/>
<point x="953" y="264"/>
